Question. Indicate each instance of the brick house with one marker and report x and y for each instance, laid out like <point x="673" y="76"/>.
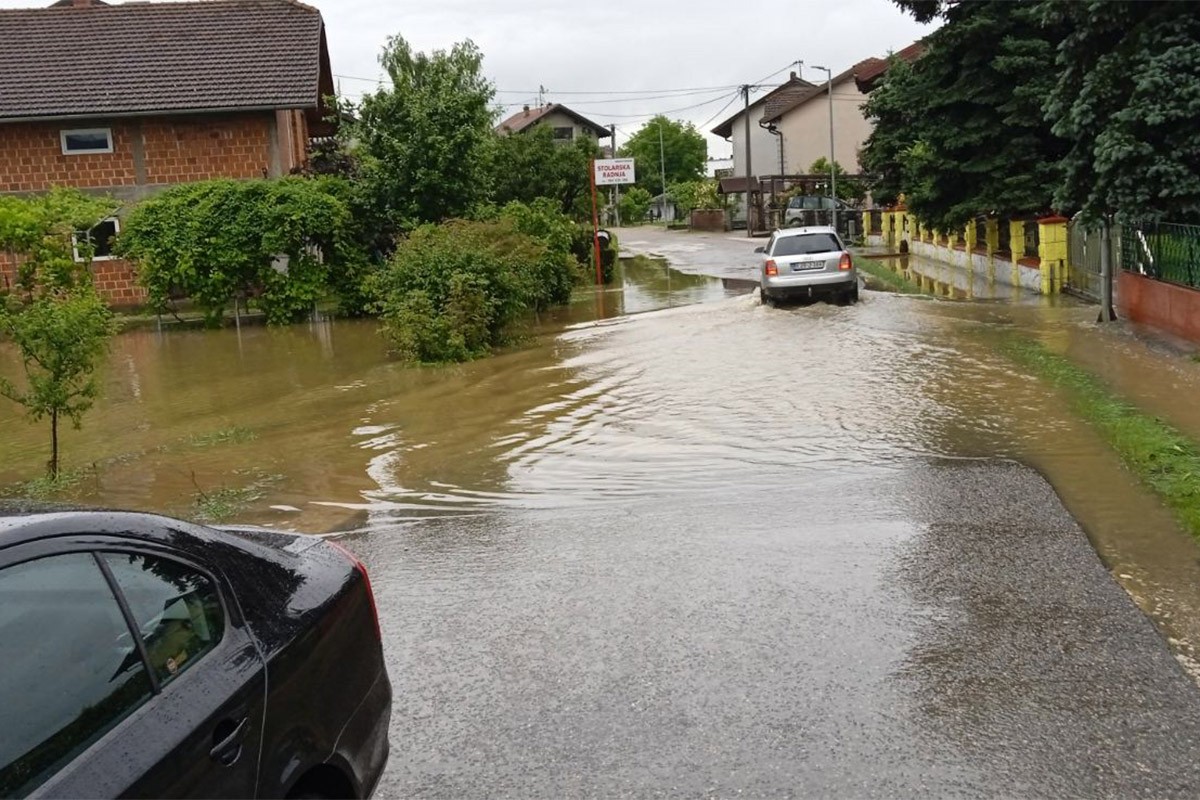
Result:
<point x="125" y="100"/>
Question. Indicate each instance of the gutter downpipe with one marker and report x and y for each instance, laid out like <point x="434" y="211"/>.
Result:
<point x="774" y="131"/>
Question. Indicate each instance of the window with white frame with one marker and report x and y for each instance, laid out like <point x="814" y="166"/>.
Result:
<point x="86" y="140"/>
<point x="99" y="239"/>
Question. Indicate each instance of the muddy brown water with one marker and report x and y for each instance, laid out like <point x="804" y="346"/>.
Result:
<point x="313" y="427"/>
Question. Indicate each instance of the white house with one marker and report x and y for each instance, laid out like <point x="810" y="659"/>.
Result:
<point x="803" y="120"/>
<point x="764" y="146"/>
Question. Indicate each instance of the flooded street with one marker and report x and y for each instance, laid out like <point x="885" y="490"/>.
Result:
<point x="678" y="543"/>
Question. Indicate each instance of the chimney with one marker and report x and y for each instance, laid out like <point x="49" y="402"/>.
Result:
<point x="527" y="111"/>
<point x="793" y="76"/>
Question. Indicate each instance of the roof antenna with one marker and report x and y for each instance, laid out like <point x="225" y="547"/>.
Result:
<point x="541" y="95"/>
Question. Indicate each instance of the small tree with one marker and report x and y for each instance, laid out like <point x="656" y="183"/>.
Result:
<point x="635" y="202"/>
<point x="53" y="315"/>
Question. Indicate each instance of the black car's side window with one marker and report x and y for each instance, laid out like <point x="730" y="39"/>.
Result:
<point x="176" y="609"/>
<point x="69" y="668"/>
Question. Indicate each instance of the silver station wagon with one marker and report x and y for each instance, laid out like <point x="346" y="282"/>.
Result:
<point x="807" y="263"/>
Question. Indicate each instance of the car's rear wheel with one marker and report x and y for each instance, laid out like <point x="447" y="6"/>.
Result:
<point x="767" y="300"/>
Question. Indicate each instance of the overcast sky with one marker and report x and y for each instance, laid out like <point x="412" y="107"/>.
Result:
<point x="624" y="51"/>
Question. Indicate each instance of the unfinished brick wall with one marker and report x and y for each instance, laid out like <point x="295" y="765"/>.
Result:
<point x="174" y="150"/>
<point x="181" y="150"/>
<point x="115" y="280"/>
<point x="148" y="153"/>
<point x="31" y="159"/>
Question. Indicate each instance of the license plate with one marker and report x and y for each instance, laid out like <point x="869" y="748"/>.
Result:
<point x="801" y="266"/>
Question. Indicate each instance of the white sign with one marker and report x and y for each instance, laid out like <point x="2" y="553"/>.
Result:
<point x="613" y="171"/>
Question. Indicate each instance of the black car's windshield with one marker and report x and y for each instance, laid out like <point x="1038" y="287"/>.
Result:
<point x="806" y="244"/>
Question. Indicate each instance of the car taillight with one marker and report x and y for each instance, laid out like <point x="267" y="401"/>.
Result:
<point x="772" y="267"/>
<point x="845" y="263"/>
<point x="358" y="565"/>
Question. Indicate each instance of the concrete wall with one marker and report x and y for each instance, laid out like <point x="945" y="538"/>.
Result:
<point x="149" y="154"/>
<point x="1044" y="274"/>
<point x="1166" y="306"/>
<point x="805" y="129"/>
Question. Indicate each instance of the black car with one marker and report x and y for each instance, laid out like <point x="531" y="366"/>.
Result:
<point x="141" y="656"/>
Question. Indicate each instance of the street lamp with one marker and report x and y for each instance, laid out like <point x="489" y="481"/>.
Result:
<point x="832" y="163"/>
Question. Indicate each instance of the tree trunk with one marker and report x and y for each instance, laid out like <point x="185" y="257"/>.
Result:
<point x="53" y="445"/>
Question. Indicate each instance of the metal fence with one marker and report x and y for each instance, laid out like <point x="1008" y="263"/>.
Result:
<point x="1083" y="260"/>
<point x="1165" y="251"/>
<point x="1032" y="240"/>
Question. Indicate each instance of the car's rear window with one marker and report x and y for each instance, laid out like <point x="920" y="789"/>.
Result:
<point x="806" y="244"/>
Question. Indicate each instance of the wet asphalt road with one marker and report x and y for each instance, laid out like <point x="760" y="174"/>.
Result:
<point x="714" y="572"/>
<point x="972" y="645"/>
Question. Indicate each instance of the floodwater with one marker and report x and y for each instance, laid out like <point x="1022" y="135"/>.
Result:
<point x="576" y="540"/>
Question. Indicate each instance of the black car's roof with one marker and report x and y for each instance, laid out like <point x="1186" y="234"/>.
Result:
<point x="26" y="521"/>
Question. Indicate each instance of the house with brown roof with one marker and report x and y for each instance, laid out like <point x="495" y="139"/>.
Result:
<point x="803" y="121"/>
<point x="765" y="153"/>
<point x="128" y="99"/>
<point x="567" y="125"/>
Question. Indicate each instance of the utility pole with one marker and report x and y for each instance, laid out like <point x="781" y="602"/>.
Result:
<point x="832" y="161"/>
<point x="746" y="114"/>
<point x="1107" y="314"/>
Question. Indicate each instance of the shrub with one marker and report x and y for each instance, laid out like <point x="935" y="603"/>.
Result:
<point x="451" y="292"/>
<point x="214" y="240"/>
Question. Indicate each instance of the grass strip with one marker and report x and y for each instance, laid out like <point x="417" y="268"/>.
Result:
<point x="45" y="487"/>
<point x="890" y="278"/>
<point x="1162" y="458"/>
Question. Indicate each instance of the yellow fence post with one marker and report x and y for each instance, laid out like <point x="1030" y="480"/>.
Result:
<point x="1016" y="247"/>
<point x="1052" y="249"/>
<point x="991" y="240"/>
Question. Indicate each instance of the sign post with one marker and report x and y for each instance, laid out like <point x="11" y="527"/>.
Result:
<point x="606" y="172"/>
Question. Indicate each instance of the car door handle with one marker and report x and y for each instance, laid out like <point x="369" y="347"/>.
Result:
<point x="227" y="749"/>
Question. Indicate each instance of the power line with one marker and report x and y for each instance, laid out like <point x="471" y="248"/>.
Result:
<point x="680" y="91"/>
<point x="640" y="99"/>
<point x="716" y="99"/>
<point x="672" y="92"/>
<point x="708" y="121"/>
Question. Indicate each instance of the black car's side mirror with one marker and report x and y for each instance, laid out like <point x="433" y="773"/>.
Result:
<point x="760" y="249"/>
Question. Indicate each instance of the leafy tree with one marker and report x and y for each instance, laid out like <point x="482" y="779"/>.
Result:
<point x="690" y="195"/>
<point x="424" y="142"/>
<point x="635" y="202"/>
<point x="852" y="190"/>
<point x="1127" y="99"/>
<point x="53" y="315"/>
<point x="894" y="107"/>
<point x="531" y="165"/>
<point x="979" y="140"/>
<point x="684" y="153"/>
<point x="216" y="240"/>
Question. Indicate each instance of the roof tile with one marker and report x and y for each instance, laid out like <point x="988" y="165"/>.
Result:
<point x="152" y="57"/>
